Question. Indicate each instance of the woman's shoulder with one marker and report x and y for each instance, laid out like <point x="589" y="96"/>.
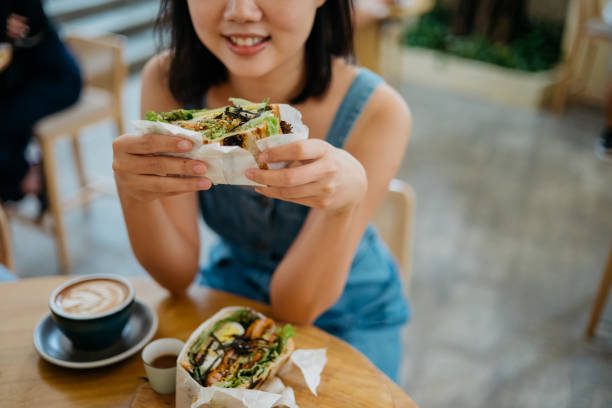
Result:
<point x="383" y="97"/>
<point x="386" y="104"/>
<point x="383" y="104"/>
<point x="155" y="85"/>
<point x="158" y="67"/>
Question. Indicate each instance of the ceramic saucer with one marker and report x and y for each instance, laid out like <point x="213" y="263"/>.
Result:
<point x="54" y="347"/>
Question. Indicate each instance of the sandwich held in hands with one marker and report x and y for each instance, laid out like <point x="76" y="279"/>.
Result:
<point x="241" y="124"/>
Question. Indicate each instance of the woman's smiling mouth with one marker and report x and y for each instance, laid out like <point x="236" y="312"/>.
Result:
<point x="246" y="44"/>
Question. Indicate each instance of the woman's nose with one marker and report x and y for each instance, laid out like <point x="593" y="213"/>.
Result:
<point x="242" y="11"/>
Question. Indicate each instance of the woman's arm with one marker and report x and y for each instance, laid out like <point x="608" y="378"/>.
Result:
<point x="160" y="212"/>
<point x="313" y="273"/>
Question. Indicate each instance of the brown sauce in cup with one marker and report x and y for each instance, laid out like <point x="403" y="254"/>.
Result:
<point x="164" y="361"/>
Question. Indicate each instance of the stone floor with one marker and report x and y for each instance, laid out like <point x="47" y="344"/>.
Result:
<point x="513" y="225"/>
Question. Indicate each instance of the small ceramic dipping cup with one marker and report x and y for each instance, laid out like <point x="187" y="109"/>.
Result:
<point x="156" y="358"/>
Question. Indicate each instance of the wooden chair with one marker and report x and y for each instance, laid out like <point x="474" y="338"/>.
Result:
<point x="394" y="223"/>
<point x="590" y="29"/>
<point x="104" y="72"/>
<point x="6" y="254"/>
<point x="600" y="299"/>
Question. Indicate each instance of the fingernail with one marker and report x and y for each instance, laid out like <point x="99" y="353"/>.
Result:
<point x="184" y="145"/>
<point x="204" y="184"/>
<point x="249" y="173"/>
<point x="263" y="157"/>
<point x="199" y="169"/>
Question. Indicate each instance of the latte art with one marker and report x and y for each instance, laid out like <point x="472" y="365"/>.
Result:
<point x="92" y="297"/>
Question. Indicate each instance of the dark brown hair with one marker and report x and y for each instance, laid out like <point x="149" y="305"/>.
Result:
<point x="331" y="35"/>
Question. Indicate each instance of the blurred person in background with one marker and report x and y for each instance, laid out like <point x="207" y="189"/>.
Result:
<point x="42" y="78"/>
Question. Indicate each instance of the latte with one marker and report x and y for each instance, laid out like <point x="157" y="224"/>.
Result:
<point x="92" y="297"/>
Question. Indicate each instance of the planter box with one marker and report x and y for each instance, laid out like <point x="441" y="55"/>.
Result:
<point x="509" y="86"/>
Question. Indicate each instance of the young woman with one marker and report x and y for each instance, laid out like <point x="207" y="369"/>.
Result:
<point x="302" y="243"/>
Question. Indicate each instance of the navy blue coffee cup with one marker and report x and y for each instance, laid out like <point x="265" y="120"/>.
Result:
<point x="91" y="311"/>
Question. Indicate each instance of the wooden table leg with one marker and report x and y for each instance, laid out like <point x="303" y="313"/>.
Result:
<point x="600" y="300"/>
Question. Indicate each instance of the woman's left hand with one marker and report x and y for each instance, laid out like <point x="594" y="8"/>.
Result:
<point x="320" y="175"/>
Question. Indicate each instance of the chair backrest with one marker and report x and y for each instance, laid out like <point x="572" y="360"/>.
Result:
<point x="394" y="222"/>
<point x="101" y="61"/>
<point x="588" y="9"/>
<point x="6" y="254"/>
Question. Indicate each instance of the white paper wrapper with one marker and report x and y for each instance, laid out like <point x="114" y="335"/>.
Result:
<point x="276" y="386"/>
<point x="305" y="366"/>
<point x="227" y="164"/>
<point x="231" y="398"/>
<point x="304" y="370"/>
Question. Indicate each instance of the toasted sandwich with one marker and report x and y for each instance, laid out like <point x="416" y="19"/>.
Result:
<point x="241" y="349"/>
<point x="240" y="124"/>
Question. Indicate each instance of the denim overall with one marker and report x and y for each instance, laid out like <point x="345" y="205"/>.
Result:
<point x="256" y="231"/>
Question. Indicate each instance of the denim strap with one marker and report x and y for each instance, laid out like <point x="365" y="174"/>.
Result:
<point x="353" y="103"/>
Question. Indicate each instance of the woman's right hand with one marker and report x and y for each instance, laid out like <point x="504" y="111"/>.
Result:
<point x="143" y="175"/>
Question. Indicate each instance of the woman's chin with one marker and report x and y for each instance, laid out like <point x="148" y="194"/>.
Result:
<point x="250" y="70"/>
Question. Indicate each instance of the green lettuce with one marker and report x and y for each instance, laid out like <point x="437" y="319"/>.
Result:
<point x="267" y="117"/>
<point x="177" y="114"/>
<point x="284" y="335"/>
<point x="252" y="105"/>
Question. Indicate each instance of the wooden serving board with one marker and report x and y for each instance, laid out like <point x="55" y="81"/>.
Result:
<point x="146" y="397"/>
<point x="348" y="379"/>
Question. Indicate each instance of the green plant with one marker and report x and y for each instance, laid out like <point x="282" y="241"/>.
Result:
<point x="536" y="48"/>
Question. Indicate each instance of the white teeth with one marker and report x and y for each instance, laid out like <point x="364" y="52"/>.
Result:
<point x="246" y="41"/>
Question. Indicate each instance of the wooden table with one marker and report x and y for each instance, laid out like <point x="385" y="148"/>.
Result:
<point x="368" y="34"/>
<point x="26" y="380"/>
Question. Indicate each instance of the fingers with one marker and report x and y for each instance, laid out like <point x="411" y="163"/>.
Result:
<point x="321" y="187"/>
<point x="291" y="193"/>
<point x="151" y="144"/>
<point x="165" y="185"/>
<point x="312" y="152"/>
<point x="308" y="149"/>
<point x="309" y="195"/>
<point x="314" y="159"/>
<point x="159" y="166"/>
<point x="293" y="176"/>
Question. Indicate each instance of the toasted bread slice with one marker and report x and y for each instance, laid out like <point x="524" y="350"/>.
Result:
<point x="247" y="139"/>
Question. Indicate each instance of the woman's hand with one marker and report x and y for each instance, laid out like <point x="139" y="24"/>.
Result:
<point x="147" y="177"/>
<point x="320" y="175"/>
